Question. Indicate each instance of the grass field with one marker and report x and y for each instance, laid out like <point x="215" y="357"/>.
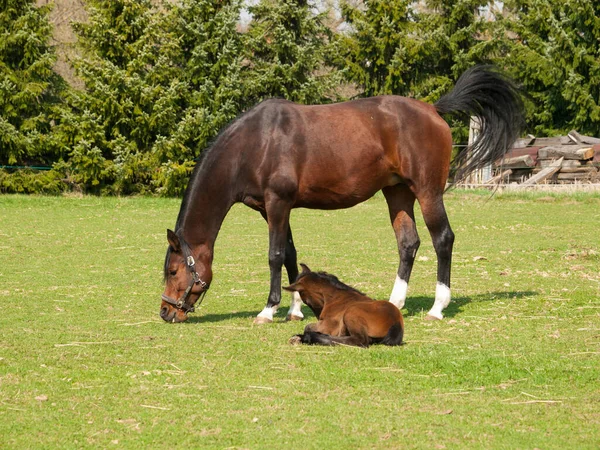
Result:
<point x="85" y="361"/>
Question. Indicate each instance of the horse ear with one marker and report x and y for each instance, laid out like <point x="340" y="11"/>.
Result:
<point x="173" y="241"/>
<point x="305" y="269"/>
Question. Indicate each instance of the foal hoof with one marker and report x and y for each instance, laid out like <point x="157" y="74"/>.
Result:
<point x="291" y="317"/>
<point x="295" y="340"/>
<point x="262" y="320"/>
<point x="431" y="318"/>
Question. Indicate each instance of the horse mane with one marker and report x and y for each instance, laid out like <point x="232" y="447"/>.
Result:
<point x="200" y="160"/>
<point x="210" y="145"/>
<point x="208" y="150"/>
<point x="334" y="281"/>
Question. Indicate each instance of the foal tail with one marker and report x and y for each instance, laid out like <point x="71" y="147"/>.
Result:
<point x="394" y="335"/>
<point x="494" y="99"/>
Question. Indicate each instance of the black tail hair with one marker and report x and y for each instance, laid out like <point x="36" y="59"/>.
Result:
<point x="495" y="100"/>
<point x="394" y="335"/>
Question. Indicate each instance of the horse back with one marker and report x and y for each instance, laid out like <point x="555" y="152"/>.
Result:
<point x="338" y="155"/>
<point x="378" y="316"/>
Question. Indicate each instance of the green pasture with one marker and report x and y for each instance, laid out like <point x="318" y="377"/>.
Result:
<point x="85" y="361"/>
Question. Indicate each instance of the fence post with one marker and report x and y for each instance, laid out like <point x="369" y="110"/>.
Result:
<point x="479" y="176"/>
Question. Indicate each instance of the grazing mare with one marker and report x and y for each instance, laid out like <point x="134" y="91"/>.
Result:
<point x="346" y="316"/>
<point x="280" y="155"/>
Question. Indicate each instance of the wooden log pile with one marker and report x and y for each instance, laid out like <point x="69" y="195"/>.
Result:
<point x="574" y="158"/>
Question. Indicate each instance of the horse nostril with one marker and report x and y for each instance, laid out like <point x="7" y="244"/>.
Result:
<point x="164" y="311"/>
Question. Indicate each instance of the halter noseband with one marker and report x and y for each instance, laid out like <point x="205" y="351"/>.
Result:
<point x="181" y="303"/>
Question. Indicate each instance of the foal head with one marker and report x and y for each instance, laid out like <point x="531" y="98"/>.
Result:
<point x="315" y="288"/>
<point x="186" y="280"/>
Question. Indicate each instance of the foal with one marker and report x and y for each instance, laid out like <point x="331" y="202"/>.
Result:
<point x="346" y="316"/>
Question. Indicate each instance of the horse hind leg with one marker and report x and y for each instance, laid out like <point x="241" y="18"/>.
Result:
<point x="352" y="331"/>
<point x="442" y="236"/>
<point x="401" y="201"/>
<point x="316" y="338"/>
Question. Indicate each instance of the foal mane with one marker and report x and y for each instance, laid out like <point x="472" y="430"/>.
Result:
<point x="334" y="281"/>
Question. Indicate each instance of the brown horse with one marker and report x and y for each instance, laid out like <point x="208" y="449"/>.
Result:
<point x="280" y="155"/>
<point x="346" y="316"/>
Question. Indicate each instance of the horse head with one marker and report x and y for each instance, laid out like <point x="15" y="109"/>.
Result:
<point x="307" y="285"/>
<point x="186" y="280"/>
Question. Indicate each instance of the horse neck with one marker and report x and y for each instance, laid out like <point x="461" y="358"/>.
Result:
<point x="334" y="294"/>
<point x="208" y="200"/>
<point x="331" y="293"/>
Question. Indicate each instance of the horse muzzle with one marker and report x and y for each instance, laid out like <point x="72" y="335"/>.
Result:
<point x="171" y="314"/>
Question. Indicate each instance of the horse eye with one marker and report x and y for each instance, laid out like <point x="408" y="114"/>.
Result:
<point x="173" y="272"/>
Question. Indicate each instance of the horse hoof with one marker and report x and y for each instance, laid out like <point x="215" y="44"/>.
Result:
<point x="295" y="340"/>
<point x="291" y="317"/>
<point x="431" y="318"/>
<point x="262" y="320"/>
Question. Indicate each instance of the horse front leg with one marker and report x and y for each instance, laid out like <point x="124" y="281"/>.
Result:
<point x="291" y="265"/>
<point x="278" y="216"/>
<point x="401" y="201"/>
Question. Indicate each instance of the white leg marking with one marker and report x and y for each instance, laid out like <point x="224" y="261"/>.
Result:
<point x="296" y="306"/>
<point x="442" y="299"/>
<point x="268" y="312"/>
<point x="398" y="295"/>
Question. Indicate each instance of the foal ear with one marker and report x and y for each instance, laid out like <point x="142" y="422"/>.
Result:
<point x="292" y="287"/>
<point x="305" y="269"/>
<point x="173" y="240"/>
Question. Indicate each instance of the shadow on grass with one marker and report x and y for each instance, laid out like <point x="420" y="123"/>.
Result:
<point x="414" y="306"/>
<point x="280" y="317"/>
<point x="201" y="318"/>
<point x="419" y="305"/>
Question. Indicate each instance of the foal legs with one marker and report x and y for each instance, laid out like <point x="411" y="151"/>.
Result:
<point x="401" y="201"/>
<point x="442" y="236"/>
<point x="320" y="333"/>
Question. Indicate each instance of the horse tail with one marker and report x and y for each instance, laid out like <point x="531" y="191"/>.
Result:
<point x="495" y="100"/>
<point x="394" y="335"/>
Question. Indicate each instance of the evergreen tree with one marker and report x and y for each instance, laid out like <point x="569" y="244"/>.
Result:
<point x="289" y="53"/>
<point x="415" y="49"/>
<point x="30" y="91"/>
<point x="160" y="82"/>
<point x="552" y="48"/>
<point x="127" y="102"/>
<point x="210" y="57"/>
<point x="379" y="44"/>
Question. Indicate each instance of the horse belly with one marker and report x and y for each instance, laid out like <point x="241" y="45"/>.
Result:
<point x="338" y="185"/>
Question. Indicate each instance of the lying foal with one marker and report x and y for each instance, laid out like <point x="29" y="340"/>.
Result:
<point x="346" y="316"/>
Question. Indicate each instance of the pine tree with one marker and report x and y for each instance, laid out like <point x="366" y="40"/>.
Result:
<point x="30" y="91"/>
<point x="210" y="57"/>
<point x="289" y="53"/>
<point x="127" y="101"/>
<point x="415" y="49"/>
<point x="378" y="45"/>
<point x="160" y="83"/>
<point x="552" y="48"/>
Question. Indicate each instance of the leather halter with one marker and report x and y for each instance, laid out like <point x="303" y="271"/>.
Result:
<point x="181" y="303"/>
